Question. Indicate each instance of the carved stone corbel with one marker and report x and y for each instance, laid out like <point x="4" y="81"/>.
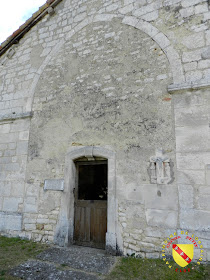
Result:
<point x="160" y="168"/>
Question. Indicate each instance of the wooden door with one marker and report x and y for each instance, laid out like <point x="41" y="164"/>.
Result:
<point x="90" y="222"/>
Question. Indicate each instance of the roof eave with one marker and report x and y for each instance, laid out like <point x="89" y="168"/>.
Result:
<point x="24" y="28"/>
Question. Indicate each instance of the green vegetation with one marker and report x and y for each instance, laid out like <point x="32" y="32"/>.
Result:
<point x="14" y="251"/>
<point x="144" y="269"/>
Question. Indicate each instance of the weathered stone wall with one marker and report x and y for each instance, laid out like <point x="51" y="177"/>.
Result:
<point x="97" y="73"/>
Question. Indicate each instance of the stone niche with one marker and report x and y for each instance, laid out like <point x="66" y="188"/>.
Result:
<point x="160" y="168"/>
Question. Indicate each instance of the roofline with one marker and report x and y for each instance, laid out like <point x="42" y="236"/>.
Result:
<point x="24" y="28"/>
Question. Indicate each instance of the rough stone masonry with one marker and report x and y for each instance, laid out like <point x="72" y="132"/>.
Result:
<point x="124" y="80"/>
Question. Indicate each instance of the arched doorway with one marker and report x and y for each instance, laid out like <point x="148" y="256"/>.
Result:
<point x="65" y="234"/>
<point x="90" y="195"/>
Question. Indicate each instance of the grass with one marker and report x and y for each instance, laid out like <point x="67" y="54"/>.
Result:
<point x="133" y="268"/>
<point x="14" y="251"/>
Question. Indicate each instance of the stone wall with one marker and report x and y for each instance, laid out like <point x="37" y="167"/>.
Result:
<point x="97" y="73"/>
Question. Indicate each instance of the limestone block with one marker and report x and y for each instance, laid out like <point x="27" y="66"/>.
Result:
<point x="192" y="160"/>
<point x="10" y="204"/>
<point x="194" y="41"/>
<point x="191" y="56"/>
<point x="187" y="12"/>
<point x="191" y="177"/>
<point x="154" y="232"/>
<point x="162" y="218"/>
<point x="161" y="197"/>
<point x="22" y="148"/>
<point x="24" y="135"/>
<point x="54" y="184"/>
<point x="192" y="115"/>
<point x="31" y="200"/>
<point x="4" y="147"/>
<point x="204" y="190"/>
<point x="206" y="16"/>
<point x="20" y="125"/>
<point x="147" y="28"/>
<point x="204" y="64"/>
<point x="192" y="219"/>
<point x="191" y="99"/>
<point x="1" y="203"/>
<point x="48" y="227"/>
<point x="190" y="66"/>
<point x="10" y="221"/>
<point x="208" y="40"/>
<point x="18" y="188"/>
<point x="30" y="208"/>
<point x="5" y="189"/>
<point x="12" y="167"/>
<point x="203" y="8"/>
<point x="126" y="9"/>
<point x="203" y="202"/>
<point x="103" y="17"/>
<point x="187" y="3"/>
<point x="43" y="221"/>
<point x="186" y="196"/>
<point x="194" y="76"/>
<point x="147" y="9"/>
<point x="9" y="153"/>
<point x="8" y="138"/>
<point x="30" y="226"/>
<point x="147" y="247"/>
<point x="29" y="221"/>
<point x="111" y="8"/>
<point x="134" y="248"/>
<point x="80" y="17"/>
<point x="151" y="16"/>
<point x="206" y="73"/>
<point x="127" y="2"/>
<point x="162" y="40"/>
<point x="199" y="134"/>
<point x="4" y="128"/>
<point x="208" y="174"/>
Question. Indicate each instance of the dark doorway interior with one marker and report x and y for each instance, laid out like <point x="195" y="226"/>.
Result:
<point x="92" y="183"/>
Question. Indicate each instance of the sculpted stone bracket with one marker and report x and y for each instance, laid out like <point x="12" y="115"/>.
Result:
<point x="160" y="168"/>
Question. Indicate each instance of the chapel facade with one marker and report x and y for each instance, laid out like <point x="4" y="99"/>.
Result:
<point x="105" y="125"/>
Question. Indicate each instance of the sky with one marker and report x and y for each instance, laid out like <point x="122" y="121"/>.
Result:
<point x="14" y="13"/>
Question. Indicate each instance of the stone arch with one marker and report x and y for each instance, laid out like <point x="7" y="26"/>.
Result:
<point x="159" y="37"/>
<point x="65" y="227"/>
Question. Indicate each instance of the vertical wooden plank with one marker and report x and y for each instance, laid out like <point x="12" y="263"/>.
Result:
<point x="98" y="225"/>
<point x="87" y="225"/>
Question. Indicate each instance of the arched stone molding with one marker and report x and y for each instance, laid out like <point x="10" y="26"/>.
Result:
<point x="65" y="227"/>
<point x="159" y="37"/>
<point x="163" y="42"/>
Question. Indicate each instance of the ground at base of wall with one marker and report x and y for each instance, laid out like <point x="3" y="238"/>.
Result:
<point x="14" y="251"/>
<point x="156" y="269"/>
<point x="21" y="259"/>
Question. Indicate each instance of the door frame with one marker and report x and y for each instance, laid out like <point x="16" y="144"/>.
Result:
<point x="87" y="203"/>
<point x="65" y="227"/>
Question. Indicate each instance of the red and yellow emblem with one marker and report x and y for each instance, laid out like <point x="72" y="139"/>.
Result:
<point x="183" y="253"/>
